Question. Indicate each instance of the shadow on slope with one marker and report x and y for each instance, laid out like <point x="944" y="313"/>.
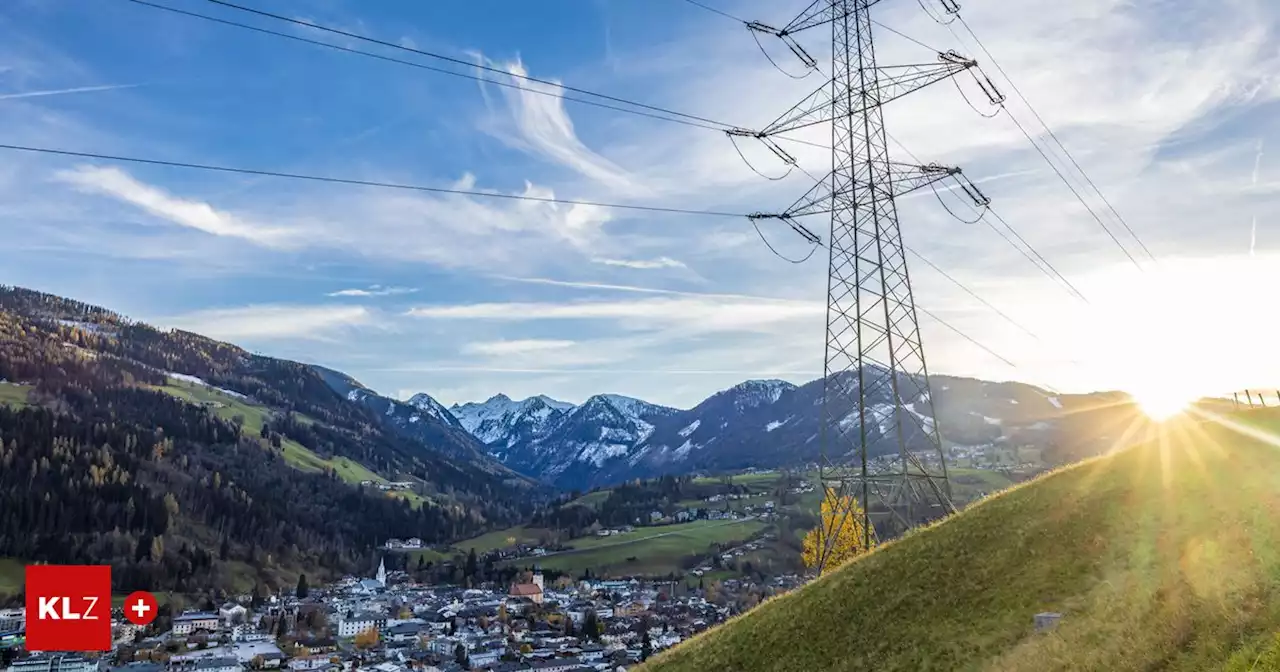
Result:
<point x="1162" y="556"/>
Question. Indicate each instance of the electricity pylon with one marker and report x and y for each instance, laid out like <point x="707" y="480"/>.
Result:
<point x="879" y="435"/>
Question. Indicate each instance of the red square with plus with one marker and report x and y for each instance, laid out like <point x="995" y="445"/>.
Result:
<point x="68" y="608"/>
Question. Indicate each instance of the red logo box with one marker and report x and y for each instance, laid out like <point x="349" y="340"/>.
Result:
<point x="68" y="608"/>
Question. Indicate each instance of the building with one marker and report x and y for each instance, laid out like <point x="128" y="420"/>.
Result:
<point x="233" y="613"/>
<point x="350" y="626"/>
<point x="532" y="591"/>
<point x="13" y="620"/>
<point x="60" y="662"/>
<point x="191" y="621"/>
<point x="211" y="664"/>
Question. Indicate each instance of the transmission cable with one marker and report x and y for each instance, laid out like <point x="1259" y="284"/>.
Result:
<point x="713" y="125"/>
<point x="774" y="63"/>
<point x="1053" y="135"/>
<point x="367" y="183"/>
<point x="778" y="254"/>
<point x="972" y="293"/>
<point x="655" y="112"/>
<point x="1047" y="268"/>
<point x="742" y="156"/>
<point x="1072" y="187"/>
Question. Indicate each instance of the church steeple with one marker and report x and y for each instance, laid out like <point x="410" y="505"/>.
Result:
<point x="382" y="572"/>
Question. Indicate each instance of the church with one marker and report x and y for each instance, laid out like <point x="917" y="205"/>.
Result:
<point x="376" y="584"/>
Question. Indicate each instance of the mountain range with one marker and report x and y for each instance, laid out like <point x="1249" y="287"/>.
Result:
<point x="765" y="423"/>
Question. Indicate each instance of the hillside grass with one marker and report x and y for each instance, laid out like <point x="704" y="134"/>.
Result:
<point x="13" y="394"/>
<point x="1165" y="556"/>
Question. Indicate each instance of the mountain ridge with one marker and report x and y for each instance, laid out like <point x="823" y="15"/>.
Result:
<point x="759" y="423"/>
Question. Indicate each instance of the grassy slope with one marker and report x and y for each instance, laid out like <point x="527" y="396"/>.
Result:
<point x="297" y="455"/>
<point x="1164" y="556"/>
<point x="13" y="394"/>
<point x="657" y="550"/>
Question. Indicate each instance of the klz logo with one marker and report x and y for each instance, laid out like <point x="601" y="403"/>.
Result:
<point x="68" y="608"/>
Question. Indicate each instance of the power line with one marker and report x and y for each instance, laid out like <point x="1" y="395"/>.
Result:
<point x="711" y="124"/>
<point x="366" y="183"/>
<point x="458" y="61"/>
<point x="1053" y="135"/>
<point x="974" y="294"/>
<point x="718" y="126"/>
<point x="1070" y="186"/>
<point x="967" y="337"/>
<point x="717" y="11"/>
<point x="1047" y="268"/>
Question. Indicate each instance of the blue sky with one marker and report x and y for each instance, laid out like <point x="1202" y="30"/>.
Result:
<point x="1170" y="108"/>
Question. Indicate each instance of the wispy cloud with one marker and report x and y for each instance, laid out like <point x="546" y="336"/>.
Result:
<point x="59" y="92"/>
<point x="271" y="322"/>
<point x="194" y="214"/>
<point x="374" y="290"/>
<point x="642" y="264"/>
<point x="694" y="313"/>
<point x="543" y="127"/>
<point x="518" y="347"/>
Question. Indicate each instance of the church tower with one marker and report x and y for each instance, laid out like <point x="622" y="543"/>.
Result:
<point x="382" y="572"/>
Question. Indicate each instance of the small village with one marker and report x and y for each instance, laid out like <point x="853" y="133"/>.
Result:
<point x="392" y="624"/>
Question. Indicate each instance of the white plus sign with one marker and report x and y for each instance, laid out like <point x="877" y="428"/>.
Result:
<point x="141" y="608"/>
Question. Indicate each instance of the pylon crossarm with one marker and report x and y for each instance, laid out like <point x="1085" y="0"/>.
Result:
<point x="820" y="13"/>
<point x="890" y="84"/>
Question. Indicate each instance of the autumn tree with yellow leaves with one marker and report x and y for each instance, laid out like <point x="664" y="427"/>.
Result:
<point x="842" y="520"/>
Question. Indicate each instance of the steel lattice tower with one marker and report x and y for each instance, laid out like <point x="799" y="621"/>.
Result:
<point x="879" y="439"/>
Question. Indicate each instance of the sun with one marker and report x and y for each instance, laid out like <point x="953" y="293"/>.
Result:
<point x="1160" y="405"/>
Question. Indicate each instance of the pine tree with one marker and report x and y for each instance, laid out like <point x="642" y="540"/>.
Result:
<point x="302" y="586"/>
<point x="646" y="646"/>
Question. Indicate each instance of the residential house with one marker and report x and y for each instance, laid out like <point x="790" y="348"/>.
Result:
<point x="558" y="665"/>
<point x="404" y="632"/>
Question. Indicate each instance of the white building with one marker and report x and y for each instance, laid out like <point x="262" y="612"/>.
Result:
<point x="12" y="620"/>
<point x="358" y="623"/>
<point x="233" y="613"/>
<point x="195" y="620"/>
<point x="221" y="664"/>
<point x="54" y="663"/>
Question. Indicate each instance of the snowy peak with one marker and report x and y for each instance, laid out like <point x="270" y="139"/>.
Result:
<point x="427" y="404"/>
<point x="501" y="421"/>
<point x="753" y="393"/>
<point x="635" y="408"/>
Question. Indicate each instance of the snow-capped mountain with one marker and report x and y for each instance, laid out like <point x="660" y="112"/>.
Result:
<point x="758" y="423"/>
<point x="430" y="424"/>
<point x="501" y="423"/>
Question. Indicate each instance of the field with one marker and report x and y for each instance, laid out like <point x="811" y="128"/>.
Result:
<point x="12" y="394"/>
<point x="1163" y="556"/>
<point x="500" y="539"/>
<point x="646" y="551"/>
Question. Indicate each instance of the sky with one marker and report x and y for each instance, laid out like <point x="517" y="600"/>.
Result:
<point x="1171" y="108"/>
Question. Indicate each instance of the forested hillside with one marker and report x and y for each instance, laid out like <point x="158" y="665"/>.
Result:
<point x="100" y="463"/>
